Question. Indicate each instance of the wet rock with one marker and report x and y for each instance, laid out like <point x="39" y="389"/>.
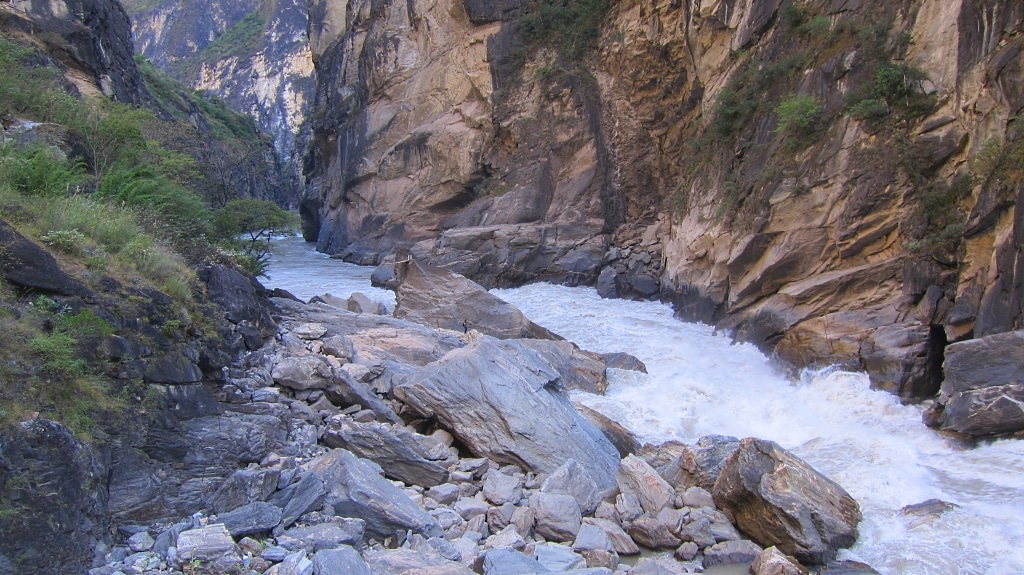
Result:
<point x="771" y="561"/>
<point x="439" y="298"/>
<point x="255" y="517"/>
<point x="607" y="283"/>
<point x="355" y="488"/>
<point x="624" y="361"/>
<point x="572" y="480"/>
<point x="502" y="401"/>
<point x="395" y="449"/>
<point x="983" y="389"/>
<point x="557" y="517"/>
<point x="731" y="552"/>
<point x="342" y="560"/>
<point x="779" y="500"/>
<point x="635" y="477"/>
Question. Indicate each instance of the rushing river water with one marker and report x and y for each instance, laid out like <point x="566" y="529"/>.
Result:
<point x="700" y="383"/>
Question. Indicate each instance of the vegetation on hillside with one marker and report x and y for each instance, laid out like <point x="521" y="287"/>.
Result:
<point x="114" y="192"/>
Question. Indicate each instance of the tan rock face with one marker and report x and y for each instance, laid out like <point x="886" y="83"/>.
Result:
<point x="825" y="247"/>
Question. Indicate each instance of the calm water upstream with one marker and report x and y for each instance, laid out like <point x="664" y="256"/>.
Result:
<point x="700" y="383"/>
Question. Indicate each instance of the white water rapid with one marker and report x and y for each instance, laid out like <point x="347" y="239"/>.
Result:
<point x="699" y="383"/>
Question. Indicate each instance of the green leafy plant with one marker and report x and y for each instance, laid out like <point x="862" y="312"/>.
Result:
<point x="68" y="241"/>
<point x="799" y="116"/>
<point x="571" y="27"/>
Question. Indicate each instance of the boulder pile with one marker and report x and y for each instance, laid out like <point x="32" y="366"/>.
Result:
<point x="413" y="450"/>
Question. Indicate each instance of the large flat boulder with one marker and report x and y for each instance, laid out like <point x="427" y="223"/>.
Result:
<point x="357" y="489"/>
<point x="394" y="448"/>
<point x="28" y="266"/>
<point x="503" y="401"/>
<point x="778" y="499"/>
<point x="438" y="298"/>
<point x="983" y="389"/>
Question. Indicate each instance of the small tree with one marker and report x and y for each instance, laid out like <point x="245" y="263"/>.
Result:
<point x="260" y="220"/>
<point x="799" y="116"/>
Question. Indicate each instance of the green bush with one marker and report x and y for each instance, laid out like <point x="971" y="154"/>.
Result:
<point x="868" y="109"/>
<point x="68" y="241"/>
<point x="39" y="171"/>
<point x="242" y="38"/>
<point x="799" y="116"/>
<point x="571" y="27"/>
<point x="57" y="350"/>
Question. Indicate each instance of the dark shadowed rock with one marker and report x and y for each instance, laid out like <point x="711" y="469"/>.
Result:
<point x="28" y="266"/>
<point x="732" y="552"/>
<point x="438" y="298"/>
<point x="777" y="499"/>
<point x="988" y="411"/>
<point x="621" y="360"/>
<point x="255" y="517"/>
<point x="357" y="489"/>
<point x="346" y="391"/>
<point x="395" y="449"/>
<point x="502" y="401"/>
<point x="304" y="495"/>
<point x="245" y="486"/>
<point x="240" y="296"/>
<point x="343" y="531"/>
<point x="341" y="561"/>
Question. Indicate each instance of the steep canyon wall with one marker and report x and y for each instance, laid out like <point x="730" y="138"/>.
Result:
<point x="834" y="181"/>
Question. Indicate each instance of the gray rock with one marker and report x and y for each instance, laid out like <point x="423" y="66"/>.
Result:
<point x="988" y="361"/>
<point x="771" y="561"/>
<point x="687" y="551"/>
<point x="698" y="531"/>
<point x="655" y="566"/>
<point x="345" y="391"/>
<point x="777" y="499"/>
<point x="651" y="533"/>
<point x="578" y="369"/>
<point x="329" y="535"/>
<point x="301" y="497"/>
<point x="445" y="493"/>
<point x="507" y="537"/>
<point x="700" y="464"/>
<point x="590" y="537"/>
<point x="698" y="497"/>
<point x="309" y="331"/>
<point x="607" y="286"/>
<point x="436" y="297"/>
<point x="141" y="541"/>
<point x="558" y="558"/>
<point x="470" y="507"/>
<point x="987" y="411"/>
<point x="420" y="561"/>
<point x="556" y="517"/>
<point x="252" y="518"/>
<point x="210" y="544"/>
<point x="636" y="477"/>
<point x="571" y="479"/>
<point x="500" y="488"/>
<point x="502" y="401"/>
<point x="731" y="552"/>
<point x="359" y="303"/>
<point x="624" y="361"/>
<point x="500" y="517"/>
<point x="395" y="449"/>
<point x="356" y="489"/>
<point x="627" y="506"/>
<point x="510" y="562"/>
<point x="447" y="518"/>
<point x="295" y="564"/>
<point x="339" y="346"/>
<point x="341" y="561"/>
<point x="523" y="520"/>
<point x="303" y="372"/>
<point x="623" y="439"/>
<point x="245" y="486"/>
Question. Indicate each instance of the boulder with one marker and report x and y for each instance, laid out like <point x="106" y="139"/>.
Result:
<point x="650" y="532"/>
<point x="983" y="385"/>
<point x="255" y="517"/>
<point x="777" y="499"/>
<point x="438" y="298"/>
<point x="342" y="560"/>
<point x="330" y="535"/>
<point x="502" y="401"/>
<point x="624" y="361"/>
<point x="622" y="543"/>
<point x="510" y="562"/>
<point x="500" y="488"/>
<point x="731" y="552"/>
<point x="558" y="558"/>
<point x="245" y="486"/>
<point x="242" y="298"/>
<point x="302" y="496"/>
<point x="359" y="303"/>
<point x="394" y="448"/>
<point x="623" y="439"/>
<point x="356" y="488"/>
<point x="346" y="391"/>
<point x="303" y="372"/>
<point x="28" y="266"/>
<point x="572" y="480"/>
<point x="557" y="517"/>
<point x="699" y="465"/>
<point x="209" y="544"/>
<point x="578" y="369"/>
<point x="634" y="476"/>
<point x="771" y="561"/>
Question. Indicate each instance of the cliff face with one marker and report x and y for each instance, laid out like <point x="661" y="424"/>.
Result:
<point x="835" y="181"/>
<point x="253" y="55"/>
<point x="91" y="40"/>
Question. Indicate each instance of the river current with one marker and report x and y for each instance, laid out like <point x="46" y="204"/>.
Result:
<point x="700" y="383"/>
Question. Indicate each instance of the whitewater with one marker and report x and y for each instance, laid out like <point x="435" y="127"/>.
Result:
<point x="701" y="383"/>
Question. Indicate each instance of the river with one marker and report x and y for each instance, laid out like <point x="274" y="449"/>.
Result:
<point x="700" y="383"/>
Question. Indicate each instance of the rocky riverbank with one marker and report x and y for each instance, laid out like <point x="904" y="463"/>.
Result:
<point x="354" y="442"/>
